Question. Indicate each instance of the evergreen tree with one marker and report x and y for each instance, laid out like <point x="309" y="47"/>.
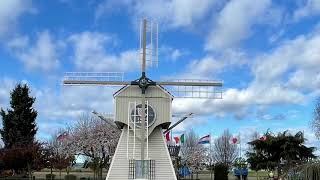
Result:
<point x="19" y="126"/>
<point x="271" y="152"/>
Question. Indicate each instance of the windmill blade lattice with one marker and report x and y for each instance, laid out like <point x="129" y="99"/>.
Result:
<point x="194" y="88"/>
<point x="94" y="78"/>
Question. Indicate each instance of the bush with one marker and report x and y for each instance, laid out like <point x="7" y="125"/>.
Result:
<point x="83" y="178"/>
<point x="221" y="171"/>
<point x="70" y="177"/>
<point x="48" y="176"/>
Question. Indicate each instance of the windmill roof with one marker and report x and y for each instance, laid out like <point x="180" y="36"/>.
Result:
<point x="125" y="87"/>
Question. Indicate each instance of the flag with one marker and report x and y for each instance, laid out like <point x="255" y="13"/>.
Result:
<point x="234" y="140"/>
<point x="168" y="136"/>
<point x="177" y="139"/>
<point x="182" y="138"/>
<point x="62" y="136"/>
<point x="263" y="138"/>
<point x="204" y="140"/>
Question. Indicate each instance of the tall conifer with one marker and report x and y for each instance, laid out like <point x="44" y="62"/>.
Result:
<point x="19" y="122"/>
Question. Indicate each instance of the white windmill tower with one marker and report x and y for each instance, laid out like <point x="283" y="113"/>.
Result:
<point x="142" y="152"/>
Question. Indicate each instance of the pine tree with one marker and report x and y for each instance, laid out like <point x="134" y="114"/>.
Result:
<point x="19" y="126"/>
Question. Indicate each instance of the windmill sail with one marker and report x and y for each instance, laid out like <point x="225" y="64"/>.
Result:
<point x="94" y="78"/>
<point x="144" y="92"/>
<point x="194" y="88"/>
<point x="151" y="43"/>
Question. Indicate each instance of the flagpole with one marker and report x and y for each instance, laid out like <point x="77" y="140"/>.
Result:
<point x="171" y="138"/>
<point x="210" y="157"/>
<point x="240" y="156"/>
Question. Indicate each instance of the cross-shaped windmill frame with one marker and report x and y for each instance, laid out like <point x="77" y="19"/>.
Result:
<point x="143" y="82"/>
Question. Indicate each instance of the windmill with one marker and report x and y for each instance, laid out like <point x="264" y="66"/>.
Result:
<point x="145" y="92"/>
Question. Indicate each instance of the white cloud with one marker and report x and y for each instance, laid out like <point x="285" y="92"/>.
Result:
<point x="189" y="123"/>
<point x="173" y="13"/>
<point x="43" y="55"/>
<point x="286" y="75"/>
<point x="298" y="57"/>
<point x="309" y="8"/>
<point x="10" y="12"/>
<point x="6" y="85"/>
<point x="168" y="53"/>
<point x="235" y="21"/>
<point x="211" y="65"/>
<point x="73" y="101"/>
<point x="176" y="54"/>
<point x="90" y="53"/>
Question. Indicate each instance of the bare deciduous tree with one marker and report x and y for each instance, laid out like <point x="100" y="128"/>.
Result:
<point x="59" y="157"/>
<point x="223" y="150"/>
<point x="316" y="119"/>
<point x="193" y="155"/>
<point x="93" y="138"/>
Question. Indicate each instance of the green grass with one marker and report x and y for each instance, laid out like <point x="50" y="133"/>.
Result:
<point x="203" y="175"/>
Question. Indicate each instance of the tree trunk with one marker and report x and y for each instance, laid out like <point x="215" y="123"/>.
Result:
<point x="29" y="171"/>
<point x="257" y="175"/>
<point x="101" y="173"/>
<point x="51" y="172"/>
<point x="60" y="173"/>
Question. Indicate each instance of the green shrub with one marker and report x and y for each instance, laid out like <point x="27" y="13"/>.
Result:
<point x="48" y="176"/>
<point x="83" y="178"/>
<point x="221" y="171"/>
<point x="70" y="177"/>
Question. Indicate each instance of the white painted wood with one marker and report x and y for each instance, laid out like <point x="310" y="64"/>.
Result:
<point x="158" y="151"/>
<point x="130" y="147"/>
<point x="156" y="97"/>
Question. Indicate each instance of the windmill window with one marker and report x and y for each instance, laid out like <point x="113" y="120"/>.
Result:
<point x="141" y="169"/>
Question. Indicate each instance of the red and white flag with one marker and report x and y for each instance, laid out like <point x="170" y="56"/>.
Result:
<point x="168" y="136"/>
<point x="62" y="136"/>
<point x="235" y="140"/>
<point x="263" y="138"/>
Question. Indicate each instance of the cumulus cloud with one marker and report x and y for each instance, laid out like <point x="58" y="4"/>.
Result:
<point x="227" y="22"/>
<point x="43" y="55"/>
<point x="190" y="123"/>
<point x="308" y="8"/>
<point x="235" y="21"/>
<point x="298" y="57"/>
<point x="10" y="12"/>
<point x="209" y="66"/>
<point x="168" y="53"/>
<point x="173" y="13"/>
<point x="286" y="75"/>
<point x="57" y="109"/>
<point x="6" y="84"/>
<point x="72" y="101"/>
<point x="90" y="53"/>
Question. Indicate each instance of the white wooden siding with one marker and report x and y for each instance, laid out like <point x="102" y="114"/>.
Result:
<point x="156" y="97"/>
<point x="158" y="151"/>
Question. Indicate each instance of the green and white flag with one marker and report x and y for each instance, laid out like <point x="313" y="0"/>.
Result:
<point x="182" y="138"/>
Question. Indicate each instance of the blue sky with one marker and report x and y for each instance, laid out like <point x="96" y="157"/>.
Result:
<point x="266" y="52"/>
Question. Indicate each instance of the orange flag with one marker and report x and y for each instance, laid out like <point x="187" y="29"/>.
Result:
<point x="177" y="139"/>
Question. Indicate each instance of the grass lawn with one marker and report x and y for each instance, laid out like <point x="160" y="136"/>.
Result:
<point x="87" y="173"/>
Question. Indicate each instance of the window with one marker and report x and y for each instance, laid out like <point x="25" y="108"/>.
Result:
<point x="139" y="169"/>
